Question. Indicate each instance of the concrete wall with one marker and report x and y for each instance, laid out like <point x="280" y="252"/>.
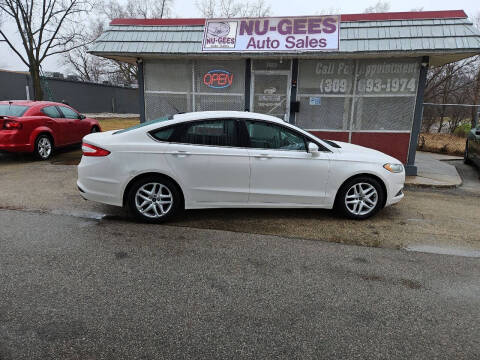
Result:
<point x="85" y="97"/>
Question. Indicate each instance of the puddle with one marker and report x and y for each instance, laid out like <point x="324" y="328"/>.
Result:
<point x="66" y="162"/>
<point x="80" y="214"/>
<point x="444" y="250"/>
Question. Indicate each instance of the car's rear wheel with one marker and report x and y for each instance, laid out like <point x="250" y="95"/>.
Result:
<point x="466" y="158"/>
<point x="154" y="199"/>
<point x="43" y="147"/>
<point x="94" y="129"/>
<point x="360" y="198"/>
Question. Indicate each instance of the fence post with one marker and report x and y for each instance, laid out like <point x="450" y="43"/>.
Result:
<point x="475" y="117"/>
<point x="411" y="169"/>
<point x="141" y="90"/>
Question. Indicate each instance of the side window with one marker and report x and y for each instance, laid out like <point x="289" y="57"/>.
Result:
<point x="51" y="111"/>
<point x="212" y="132"/>
<point x="164" y="134"/>
<point x="69" y="113"/>
<point x="269" y="136"/>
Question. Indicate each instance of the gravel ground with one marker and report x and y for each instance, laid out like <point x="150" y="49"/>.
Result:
<point x="443" y="218"/>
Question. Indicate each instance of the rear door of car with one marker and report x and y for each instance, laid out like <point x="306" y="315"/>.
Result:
<point x="56" y="123"/>
<point x="205" y="155"/>
<point x="282" y="171"/>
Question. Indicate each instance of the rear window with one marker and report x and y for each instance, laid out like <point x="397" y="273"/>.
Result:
<point x="146" y="123"/>
<point x="12" y="110"/>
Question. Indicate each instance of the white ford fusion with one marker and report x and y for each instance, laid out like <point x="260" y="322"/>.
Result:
<point x="229" y="159"/>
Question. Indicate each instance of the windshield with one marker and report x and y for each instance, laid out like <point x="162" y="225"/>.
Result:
<point x="146" y="123"/>
<point x="12" y="110"/>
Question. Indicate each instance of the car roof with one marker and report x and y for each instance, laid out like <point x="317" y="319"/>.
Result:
<point x="223" y="114"/>
<point x="30" y="103"/>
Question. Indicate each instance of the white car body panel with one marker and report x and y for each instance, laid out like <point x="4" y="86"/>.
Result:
<point x="230" y="177"/>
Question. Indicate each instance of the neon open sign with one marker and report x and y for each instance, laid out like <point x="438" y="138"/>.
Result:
<point x="218" y="79"/>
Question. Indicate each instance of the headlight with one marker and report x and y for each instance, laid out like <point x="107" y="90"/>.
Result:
<point x="394" y="168"/>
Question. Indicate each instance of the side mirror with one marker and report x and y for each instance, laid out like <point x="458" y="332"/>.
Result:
<point x="313" y="149"/>
<point x="82" y="117"/>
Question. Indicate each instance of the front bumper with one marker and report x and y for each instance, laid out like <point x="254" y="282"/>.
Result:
<point x="395" y="185"/>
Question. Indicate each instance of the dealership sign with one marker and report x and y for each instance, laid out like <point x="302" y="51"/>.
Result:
<point x="296" y="34"/>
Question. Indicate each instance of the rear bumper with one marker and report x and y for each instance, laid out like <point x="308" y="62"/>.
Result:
<point x="95" y="187"/>
<point x="9" y="141"/>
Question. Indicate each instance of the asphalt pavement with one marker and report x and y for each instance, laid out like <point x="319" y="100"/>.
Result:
<point x="79" y="288"/>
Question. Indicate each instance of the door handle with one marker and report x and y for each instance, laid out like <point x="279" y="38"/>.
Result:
<point x="264" y="156"/>
<point x="181" y="153"/>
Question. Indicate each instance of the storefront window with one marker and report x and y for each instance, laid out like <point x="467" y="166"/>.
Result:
<point x="173" y="86"/>
<point x="386" y="93"/>
<point x="361" y="95"/>
<point x="219" y="85"/>
<point x="325" y="91"/>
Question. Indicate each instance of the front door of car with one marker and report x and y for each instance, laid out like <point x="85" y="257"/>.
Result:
<point x="207" y="160"/>
<point x="282" y="171"/>
<point x="74" y="127"/>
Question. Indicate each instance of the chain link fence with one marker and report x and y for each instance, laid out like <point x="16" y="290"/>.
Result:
<point x="445" y="127"/>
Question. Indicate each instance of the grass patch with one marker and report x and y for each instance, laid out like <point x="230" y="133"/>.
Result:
<point x="442" y="143"/>
<point x="108" y="124"/>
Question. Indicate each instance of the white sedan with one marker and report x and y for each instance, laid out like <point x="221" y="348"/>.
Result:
<point x="229" y="159"/>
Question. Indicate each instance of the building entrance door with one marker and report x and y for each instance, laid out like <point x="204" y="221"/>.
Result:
<point x="270" y="93"/>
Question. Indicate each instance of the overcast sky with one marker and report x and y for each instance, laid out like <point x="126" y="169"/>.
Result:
<point x="186" y="8"/>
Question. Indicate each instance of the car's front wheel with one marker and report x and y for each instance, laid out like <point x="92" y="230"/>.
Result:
<point x="360" y="198"/>
<point x="154" y="199"/>
<point x="43" y="147"/>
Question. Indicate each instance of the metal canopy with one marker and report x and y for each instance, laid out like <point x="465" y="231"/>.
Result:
<point x="446" y="37"/>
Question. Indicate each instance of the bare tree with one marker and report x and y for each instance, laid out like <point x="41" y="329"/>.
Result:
<point x="454" y="83"/>
<point x="45" y="28"/>
<point x="380" y="6"/>
<point x="136" y="9"/>
<point x="233" y="8"/>
<point x="92" y="68"/>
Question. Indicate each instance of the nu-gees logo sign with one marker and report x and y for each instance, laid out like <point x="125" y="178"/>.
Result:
<point x="218" y="79"/>
<point x="291" y="34"/>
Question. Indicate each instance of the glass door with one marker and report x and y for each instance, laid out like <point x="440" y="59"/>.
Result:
<point x="270" y="93"/>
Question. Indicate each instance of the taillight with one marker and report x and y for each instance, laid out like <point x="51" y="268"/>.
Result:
<point x="12" y="125"/>
<point x="92" y="150"/>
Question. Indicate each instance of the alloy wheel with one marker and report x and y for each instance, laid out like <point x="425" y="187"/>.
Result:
<point x="44" y="147"/>
<point x="153" y="200"/>
<point x="361" y="199"/>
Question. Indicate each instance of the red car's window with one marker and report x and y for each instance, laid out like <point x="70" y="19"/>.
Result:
<point x="69" y="113"/>
<point x="12" y="110"/>
<point x="51" y="111"/>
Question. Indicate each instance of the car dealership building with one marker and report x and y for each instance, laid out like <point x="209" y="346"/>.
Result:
<point x="354" y="78"/>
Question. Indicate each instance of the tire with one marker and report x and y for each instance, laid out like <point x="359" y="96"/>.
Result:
<point x="351" y="203"/>
<point x="43" y="147"/>
<point x="466" y="159"/>
<point x="143" y="201"/>
<point x="94" y="130"/>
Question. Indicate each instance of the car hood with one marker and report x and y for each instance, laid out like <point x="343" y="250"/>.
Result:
<point x="354" y="152"/>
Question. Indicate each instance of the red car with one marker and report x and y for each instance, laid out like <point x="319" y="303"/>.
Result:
<point x="40" y="126"/>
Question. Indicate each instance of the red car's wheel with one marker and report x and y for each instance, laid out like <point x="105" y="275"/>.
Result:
<point x="43" y="147"/>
